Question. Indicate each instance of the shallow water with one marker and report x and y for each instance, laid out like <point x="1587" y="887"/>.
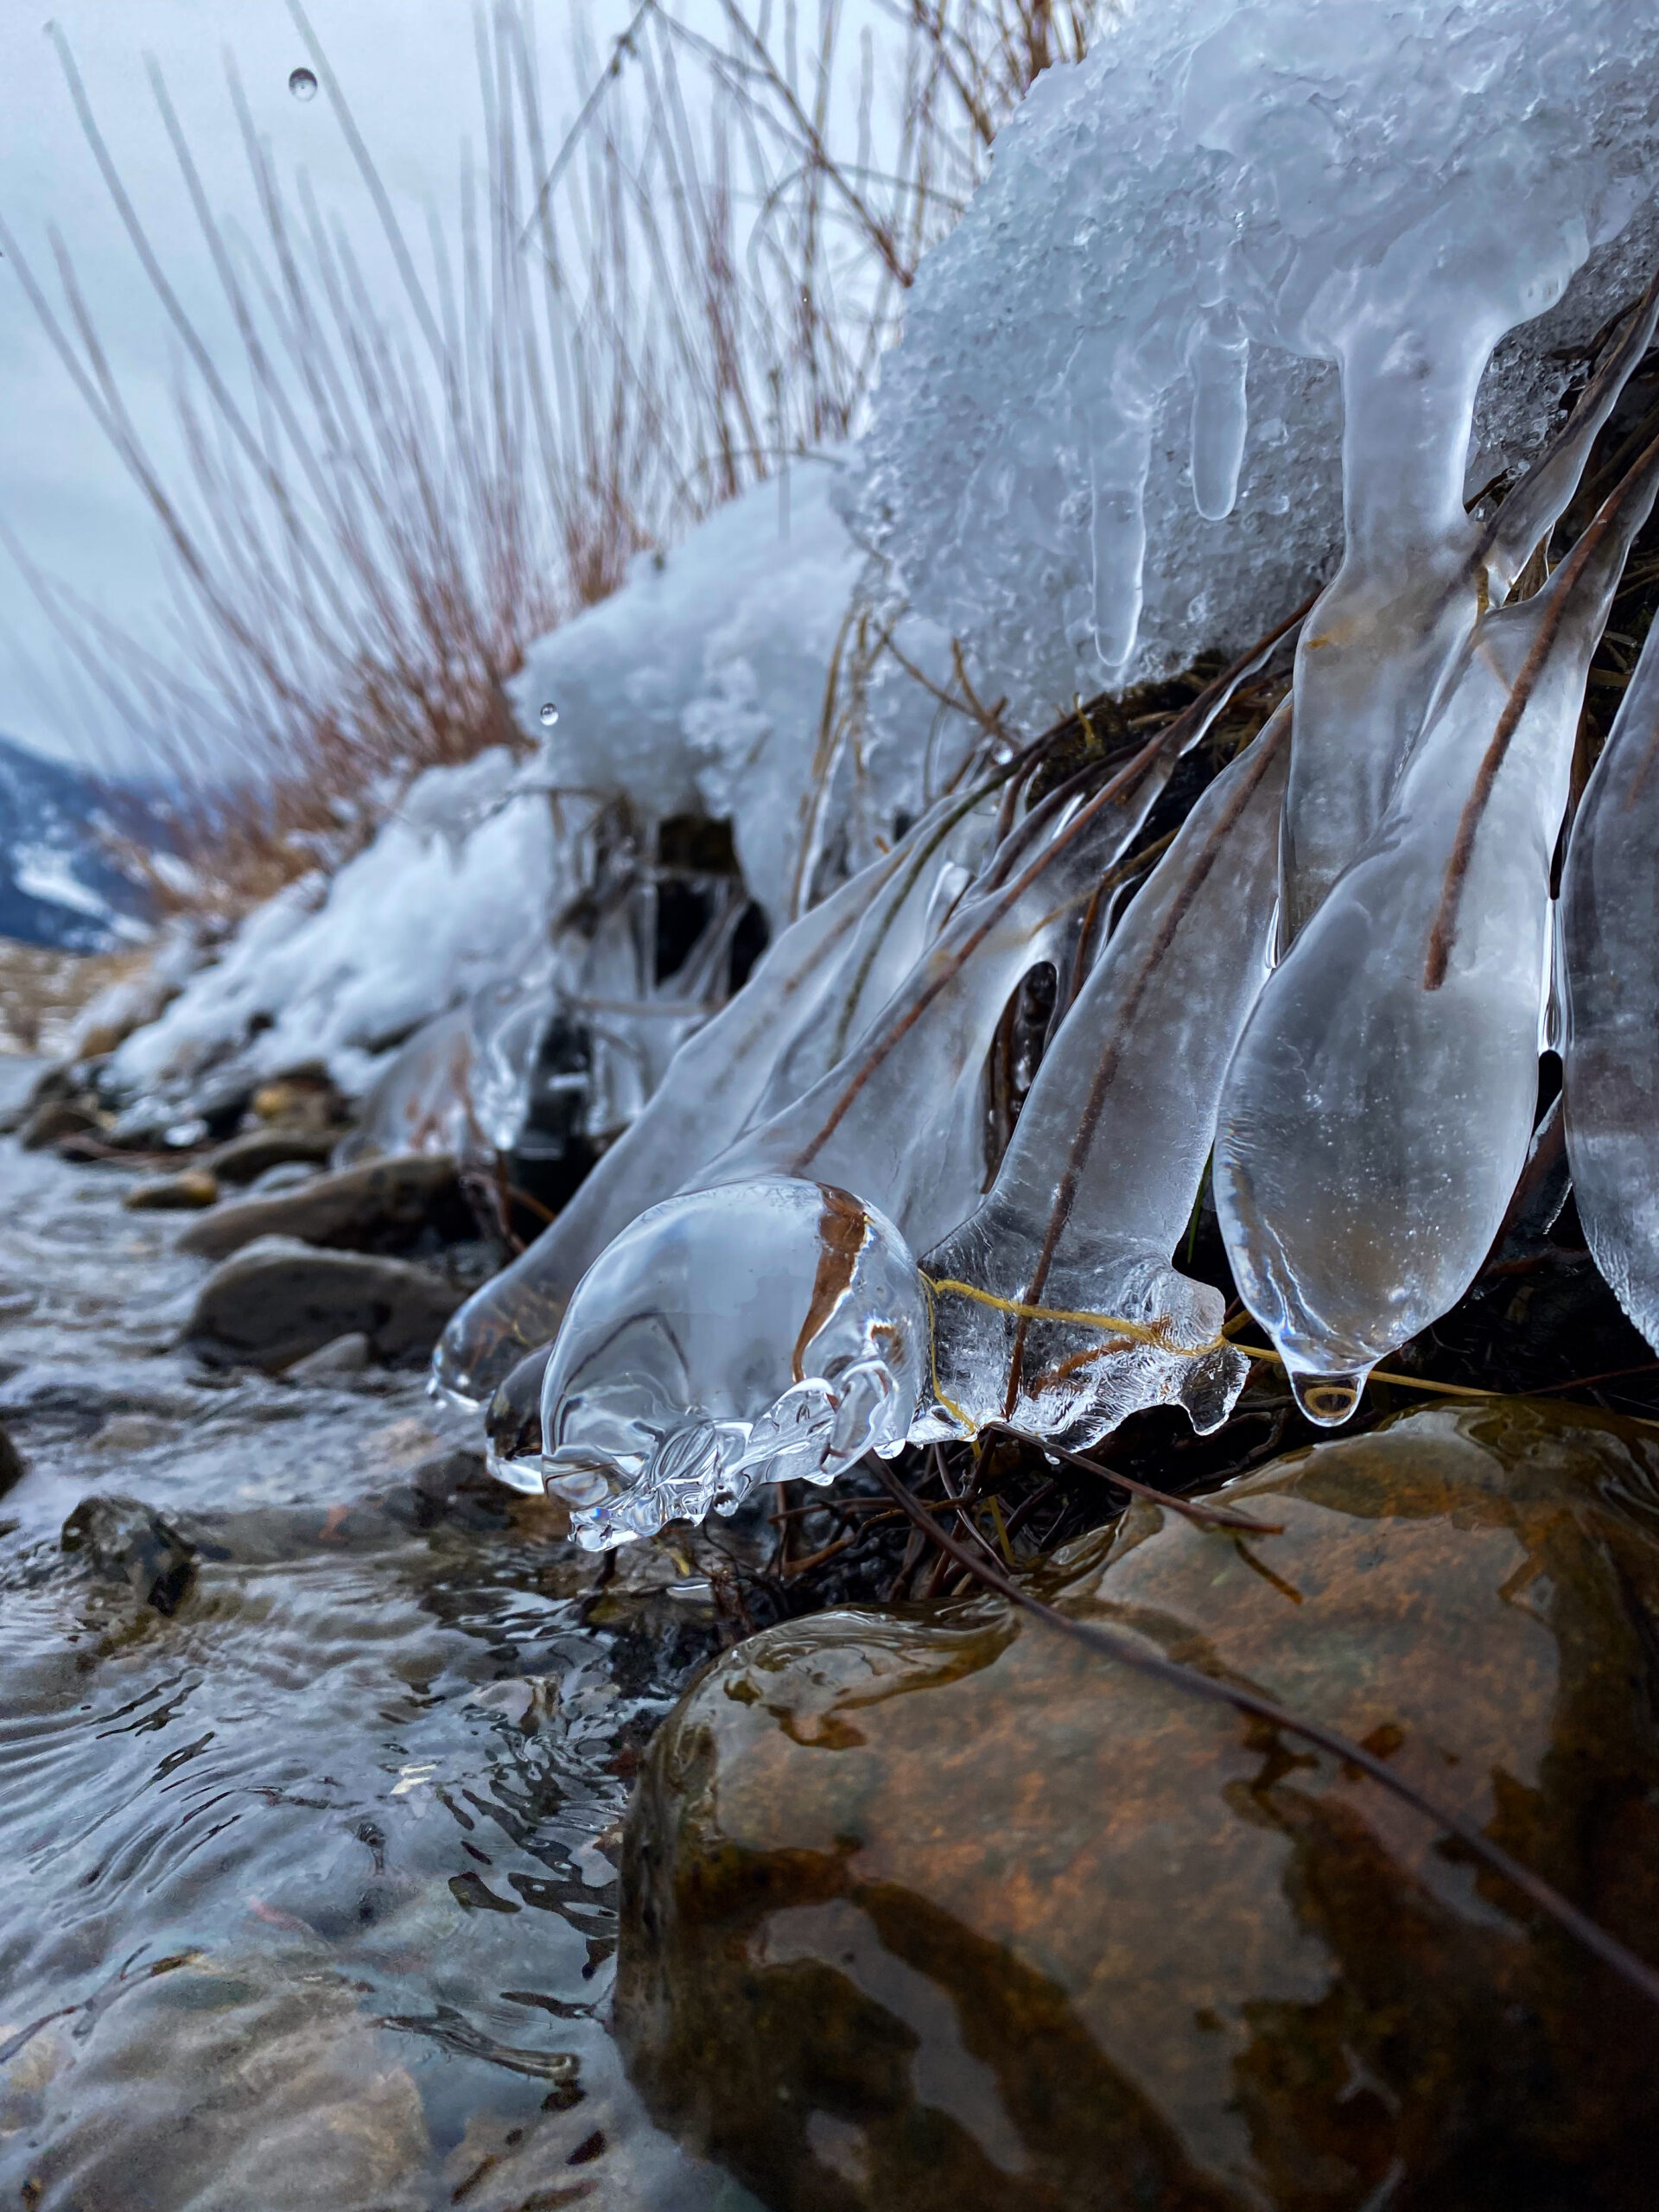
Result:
<point x="306" y="1892"/>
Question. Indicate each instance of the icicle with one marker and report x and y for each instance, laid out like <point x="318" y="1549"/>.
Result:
<point x="843" y="954"/>
<point x="1121" y="453"/>
<point x="1106" y="1159"/>
<point x="897" y="1122"/>
<point x="1382" y="643"/>
<point x="1218" y="360"/>
<point x="1610" y="933"/>
<point x="1377" y="1113"/>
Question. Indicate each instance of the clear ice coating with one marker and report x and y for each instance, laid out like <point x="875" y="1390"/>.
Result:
<point x="815" y="985"/>
<point x="899" y="1117"/>
<point x="772" y="1333"/>
<point x="1100" y="1178"/>
<point x="1376" y="1115"/>
<point x="1184" y="241"/>
<point x="1609" y="936"/>
<point x="1416" y="571"/>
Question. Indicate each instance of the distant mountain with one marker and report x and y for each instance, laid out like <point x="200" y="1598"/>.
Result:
<point x="59" y="884"/>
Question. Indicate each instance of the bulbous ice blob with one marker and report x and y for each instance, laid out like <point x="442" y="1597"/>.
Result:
<point x="766" y="1332"/>
<point x="1106" y="1159"/>
<point x="1376" y="1115"/>
<point x="1609" y="937"/>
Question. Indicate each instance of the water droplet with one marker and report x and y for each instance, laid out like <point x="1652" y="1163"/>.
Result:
<point x="302" y="84"/>
<point x="549" y="714"/>
<point x="1328" y="1399"/>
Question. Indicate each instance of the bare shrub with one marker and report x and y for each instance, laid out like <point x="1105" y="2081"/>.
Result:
<point x="383" y="505"/>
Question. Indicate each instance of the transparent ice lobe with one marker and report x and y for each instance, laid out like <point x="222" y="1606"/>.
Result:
<point x="1100" y="1177"/>
<point x="1377" y="1113"/>
<point x="1610" y="933"/>
<point x="819" y="982"/>
<point x="761" y="1332"/>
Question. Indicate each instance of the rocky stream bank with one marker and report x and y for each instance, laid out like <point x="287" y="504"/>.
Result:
<point x="321" y="1753"/>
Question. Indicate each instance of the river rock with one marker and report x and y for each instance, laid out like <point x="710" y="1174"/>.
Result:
<point x="57" y="1119"/>
<point x="123" y="1539"/>
<point x="385" y="1202"/>
<point x="947" y="1912"/>
<point x="244" y="1159"/>
<point x="191" y="1189"/>
<point x="279" y="1300"/>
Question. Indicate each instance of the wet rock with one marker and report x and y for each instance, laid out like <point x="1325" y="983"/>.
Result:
<point x="383" y="1205"/>
<point x="305" y="1098"/>
<point x="55" y="1120"/>
<point x="191" y="1188"/>
<point x="347" y="1355"/>
<point x="277" y="1299"/>
<point x="11" y="1467"/>
<point x="949" y="1912"/>
<point x="123" y="1539"/>
<point x="245" y="1158"/>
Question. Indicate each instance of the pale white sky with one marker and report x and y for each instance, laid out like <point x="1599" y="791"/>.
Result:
<point x="407" y="68"/>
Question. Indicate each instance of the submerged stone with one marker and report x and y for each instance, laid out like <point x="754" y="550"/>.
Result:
<point x="123" y="1540"/>
<point x="950" y="1911"/>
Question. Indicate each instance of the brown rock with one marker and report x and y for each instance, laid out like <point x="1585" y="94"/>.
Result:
<point x="242" y="1160"/>
<point x="949" y="1912"/>
<point x="277" y="1299"/>
<point x="192" y="1187"/>
<point x="55" y="1120"/>
<point x="305" y="1098"/>
<point x="384" y="1204"/>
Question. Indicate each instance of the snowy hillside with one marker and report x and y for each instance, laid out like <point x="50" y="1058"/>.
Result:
<point x="58" y="884"/>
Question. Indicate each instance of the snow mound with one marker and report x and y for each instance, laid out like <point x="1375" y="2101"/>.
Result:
<point x="342" y="970"/>
<point x="1112" y="435"/>
<point x="705" y="686"/>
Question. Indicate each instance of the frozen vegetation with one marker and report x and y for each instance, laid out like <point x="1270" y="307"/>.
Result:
<point x="1257" y="299"/>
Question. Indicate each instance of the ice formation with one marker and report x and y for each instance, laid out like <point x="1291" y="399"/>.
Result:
<point x="1609" y="938"/>
<point x="814" y="988"/>
<point x="663" y="1402"/>
<point x="1104" y="1166"/>
<point x="1376" y="1117"/>
<point x="1184" y="241"/>
<point x="342" y="970"/>
<point x="898" y="1116"/>
<point x="705" y="686"/>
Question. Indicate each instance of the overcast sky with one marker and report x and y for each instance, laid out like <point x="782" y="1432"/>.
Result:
<point x="407" y="68"/>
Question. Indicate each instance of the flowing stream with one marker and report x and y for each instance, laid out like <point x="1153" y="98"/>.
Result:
<point x="307" y="1891"/>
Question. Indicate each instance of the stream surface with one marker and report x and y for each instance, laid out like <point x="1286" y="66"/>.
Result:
<point x="307" y="1892"/>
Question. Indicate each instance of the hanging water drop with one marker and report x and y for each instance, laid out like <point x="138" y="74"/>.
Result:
<point x="549" y="714"/>
<point x="302" y="84"/>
